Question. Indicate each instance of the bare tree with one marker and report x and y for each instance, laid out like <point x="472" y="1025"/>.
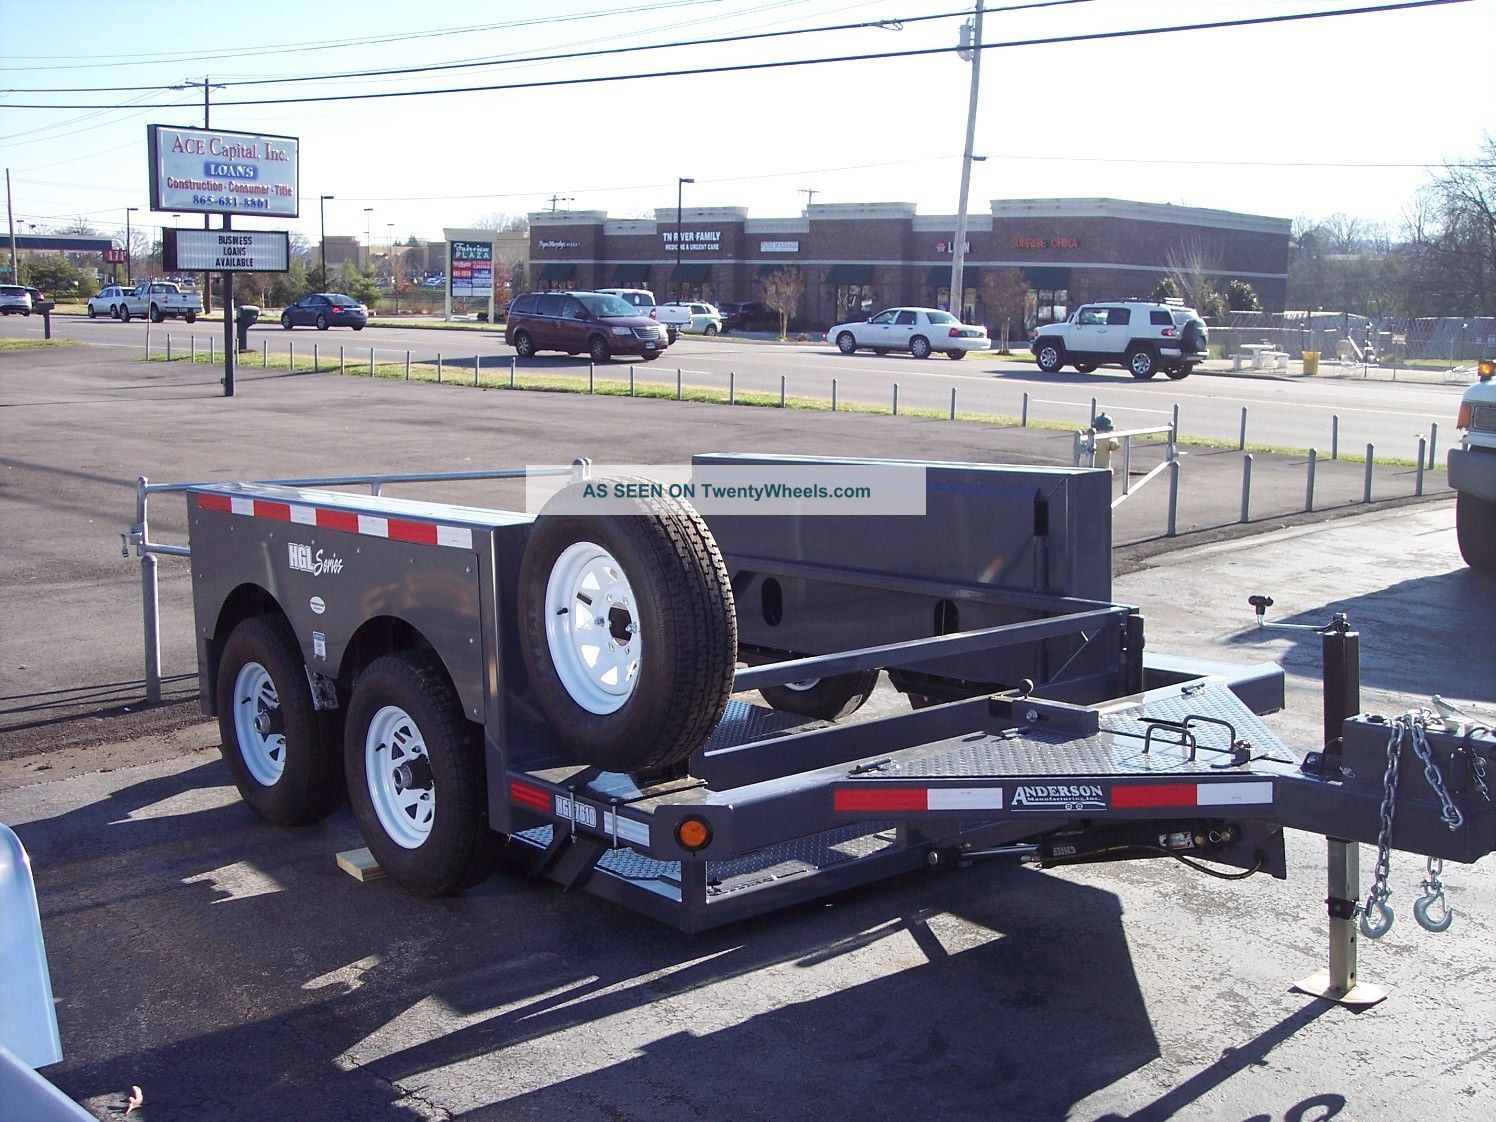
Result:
<point x="1194" y="271"/>
<point x="499" y="221"/>
<point x="1005" y="298"/>
<point x="782" y="290"/>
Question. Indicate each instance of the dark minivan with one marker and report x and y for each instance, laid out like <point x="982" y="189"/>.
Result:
<point x="599" y="324"/>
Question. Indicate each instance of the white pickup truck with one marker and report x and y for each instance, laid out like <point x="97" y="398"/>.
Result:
<point x="675" y="317"/>
<point x="160" y="300"/>
<point x="1472" y="472"/>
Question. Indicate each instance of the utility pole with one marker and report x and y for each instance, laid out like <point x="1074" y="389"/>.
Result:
<point x="680" y="281"/>
<point x="973" y="46"/>
<point x="10" y="213"/>
<point x="207" y="225"/>
<point x="560" y="199"/>
<point x="810" y="194"/>
<point x="322" y="214"/>
<point x="129" y="250"/>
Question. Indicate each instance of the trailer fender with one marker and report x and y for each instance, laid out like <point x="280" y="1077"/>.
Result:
<point x="244" y="602"/>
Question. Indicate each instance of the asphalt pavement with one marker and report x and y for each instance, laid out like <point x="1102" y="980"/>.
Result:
<point x="230" y="970"/>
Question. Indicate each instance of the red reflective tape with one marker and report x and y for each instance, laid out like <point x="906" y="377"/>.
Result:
<point x="422" y="533"/>
<point x="881" y="798"/>
<point x="338" y="520"/>
<point x="1154" y="794"/>
<point x="264" y="508"/>
<point x="532" y="797"/>
<point x="219" y="503"/>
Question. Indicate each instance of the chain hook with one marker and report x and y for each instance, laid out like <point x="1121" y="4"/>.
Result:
<point x="1376" y="919"/>
<point x="1433" y="900"/>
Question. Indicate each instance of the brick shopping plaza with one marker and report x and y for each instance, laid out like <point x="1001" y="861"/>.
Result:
<point x="857" y="257"/>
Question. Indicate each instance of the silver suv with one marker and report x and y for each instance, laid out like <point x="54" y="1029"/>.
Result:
<point x="1142" y="336"/>
<point x="14" y="300"/>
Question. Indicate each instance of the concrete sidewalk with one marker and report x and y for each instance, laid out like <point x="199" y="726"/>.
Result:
<point x="85" y="422"/>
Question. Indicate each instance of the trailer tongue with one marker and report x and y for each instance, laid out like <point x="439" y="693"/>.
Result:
<point x="465" y="687"/>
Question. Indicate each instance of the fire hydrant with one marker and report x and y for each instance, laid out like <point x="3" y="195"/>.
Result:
<point x="1103" y="446"/>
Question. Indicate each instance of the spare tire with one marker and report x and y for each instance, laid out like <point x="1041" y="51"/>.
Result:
<point x="627" y="628"/>
<point x="826" y="699"/>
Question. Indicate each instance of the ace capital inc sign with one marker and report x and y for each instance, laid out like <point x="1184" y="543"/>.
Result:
<point x="211" y="171"/>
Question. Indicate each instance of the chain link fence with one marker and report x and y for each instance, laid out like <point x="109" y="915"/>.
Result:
<point x="1449" y="345"/>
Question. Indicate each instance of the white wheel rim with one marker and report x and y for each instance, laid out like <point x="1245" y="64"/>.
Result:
<point x="258" y="724"/>
<point x="397" y="770"/>
<point x="592" y="628"/>
<point x="803" y="686"/>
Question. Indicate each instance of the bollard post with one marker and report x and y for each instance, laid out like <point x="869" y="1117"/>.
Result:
<point x="895" y="399"/>
<point x="1246" y="486"/>
<point x="1371" y="454"/>
<point x="168" y="346"/>
<point x="833" y="395"/>
<point x="211" y="356"/>
<point x="342" y="359"/>
<point x="953" y="403"/>
<point x="192" y="352"/>
<point x="371" y="362"/>
<point x="407" y="366"/>
<point x="1174" y="421"/>
<point x="149" y="598"/>
<point x="290" y="354"/>
<point x="1075" y="448"/>
<point x="439" y="371"/>
<point x="477" y="370"/>
<point x="1091" y="448"/>
<point x="732" y="387"/>
<point x="316" y="359"/>
<point x="631" y="380"/>
<point x="1309" y="484"/>
<point x="781" y="391"/>
<point x="677" y="383"/>
<point x="1093" y="413"/>
<point x="1023" y="418"/>
<point x="1241" y="441"/>
<point x="1173" y="498"/>
<point x="591" y="376"/>
<point x="1433" y="444"/>
<point x="513" y="362"/>
<point x="1422" y="452"/>
<point x="1335" y="436"/>
<point x="264" y="354"/>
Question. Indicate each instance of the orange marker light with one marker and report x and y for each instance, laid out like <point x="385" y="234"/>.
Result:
<point x="693" y="833"/>
<point x="1486" y="368"/>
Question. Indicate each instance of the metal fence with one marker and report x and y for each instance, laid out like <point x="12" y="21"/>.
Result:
<point x="1447" y="341"/>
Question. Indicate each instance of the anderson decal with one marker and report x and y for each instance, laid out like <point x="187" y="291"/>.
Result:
<point x="1073" y="796"/>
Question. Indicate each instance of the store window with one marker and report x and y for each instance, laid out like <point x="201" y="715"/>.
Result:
<point x="1051" y="305"/>
<point x="968" y="303"/>
<point x="854" y="300"/>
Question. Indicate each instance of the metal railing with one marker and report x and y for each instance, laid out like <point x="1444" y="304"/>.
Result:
<point x="139" y="533"/>
<point x="1095" y="446"/>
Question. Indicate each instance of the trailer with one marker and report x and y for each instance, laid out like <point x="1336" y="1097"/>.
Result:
<point x="577" y="688"/>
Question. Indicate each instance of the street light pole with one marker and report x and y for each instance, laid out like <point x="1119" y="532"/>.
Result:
<point x="958" y="250"/>
<point x="680" y="281"/>
<point x="322" y="213"/>
<point x="129" y="210"/>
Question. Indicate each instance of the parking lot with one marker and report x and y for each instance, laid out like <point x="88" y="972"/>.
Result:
<point x="232" y="971"/>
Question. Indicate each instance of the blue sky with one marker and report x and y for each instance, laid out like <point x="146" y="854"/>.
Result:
<point x="1295" y="120"/>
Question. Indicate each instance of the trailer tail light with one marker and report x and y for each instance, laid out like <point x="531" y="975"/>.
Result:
<point x="693" y="833"/>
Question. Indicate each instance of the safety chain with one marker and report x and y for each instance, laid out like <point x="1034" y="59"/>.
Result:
<point x="1432" y="911"/>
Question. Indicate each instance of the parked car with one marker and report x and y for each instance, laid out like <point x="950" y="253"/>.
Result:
<point x="1472" y="472"/>
<point x="601" y="324"/>
<point x="702" y="319"/>
<point x="39" y="301"/>
<point x="108" y="302"/>
<point x="919" y="331"/>
<point x="14" y="300"/>
<point x="675" y="317"/>
<point x="325" y="309"/>
<point x="1141" y="335"/>
<point x="749" y="315"/>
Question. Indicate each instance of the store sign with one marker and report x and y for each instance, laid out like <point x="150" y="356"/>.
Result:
<point x="950" y="247"/>
<point x="544" y="244"/>
<point x="779" y="247"/>
<point x="1024" y="242"/>
<point x="698" y="241"/>
<point x="471" y="268"/>
<point x="116" y="256"/>
<point x="209" y="171"/>
<point x="226" y="251"/>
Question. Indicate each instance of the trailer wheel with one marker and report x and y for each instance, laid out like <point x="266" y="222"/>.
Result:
<point x="282" y="752"/>
<point x="826" y="699"/>
<point x="415" y="777"/>
<point x="628" y="631"/>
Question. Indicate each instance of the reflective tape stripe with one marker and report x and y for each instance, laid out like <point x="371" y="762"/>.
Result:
<point x="966" y="798"/>
<point x="531" y="797"/>
<point x="1158" y="795"/>
<point x="1235" y="794"/>
<point x="351" y="522"/>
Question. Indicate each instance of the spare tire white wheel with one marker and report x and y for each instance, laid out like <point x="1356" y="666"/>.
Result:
<point x="628" y="632"/>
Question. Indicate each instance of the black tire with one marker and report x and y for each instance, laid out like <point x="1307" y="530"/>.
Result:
<point x="650" y="356"/>
<point x="597" y="349"/>
<point x="846" y="342"/>
<point x="1177" y="373"/>
<point x="190" y="317"/>
<point x="93" y="313"/>
<point x="282" y="753"/>
<point x="358" y="327"/>
<point x="675" y="601"/>
<point x="710" y="329"/>
<point x="826" y="699"/>
<point x="1084" y="367"/>
<point x="955" y="355"/>
<point x="524" y="346"/>
<point x="880" y="351"/>
<point x="1142" y="363"/>
<point x="444" y="844"/>
<point x="155" y="314"/>
<point x="919" y="347"/>
<point x="124" y="313"/>
<point x="114" y="311"/>
<point x="286" y="320"/>
<point x="321" y="322"/>
<point x="1050" y="355"/>
<point x="1475" y="529"/>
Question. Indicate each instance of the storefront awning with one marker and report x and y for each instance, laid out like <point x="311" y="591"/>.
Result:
<point x="630" y="274"/>
<point x="693" y="272"/>
<point x="939" y="276"/>
<point x="1046" y="276"/>
<point x="557" y="271"/>
<point x="849" y="274"/>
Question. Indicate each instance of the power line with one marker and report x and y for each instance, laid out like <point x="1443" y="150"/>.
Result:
<point x="1096" y="36"/>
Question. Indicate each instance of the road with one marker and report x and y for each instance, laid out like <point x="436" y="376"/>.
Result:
<point x="1283" y="413"/>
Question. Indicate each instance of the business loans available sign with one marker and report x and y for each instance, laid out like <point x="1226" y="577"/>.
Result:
<point x="226" y="251"/>
<point x="471" y="268"/>
<point x="210" y="171"/>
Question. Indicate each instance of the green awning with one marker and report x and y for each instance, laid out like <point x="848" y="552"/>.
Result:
<point x="1046" y="276"/>
<point x="557" y="271"/>
<point x="939" y="276"/>
<point x="691" y="272"/>
<point x="849" y="274"/>
<point x="630" y="274"/>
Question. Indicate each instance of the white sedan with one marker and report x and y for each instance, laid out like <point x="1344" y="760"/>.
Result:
<point x="916" y="330"/>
